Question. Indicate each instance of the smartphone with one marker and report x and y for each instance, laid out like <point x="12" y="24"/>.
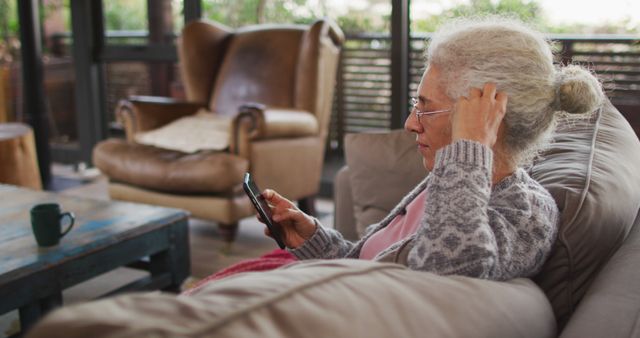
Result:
<point x="255" y="195"/>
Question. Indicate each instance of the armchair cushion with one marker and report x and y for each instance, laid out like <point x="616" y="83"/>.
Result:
<point x="168" y="170"/>
<point x="202" y="131"/>
<point x="340" y="298"/>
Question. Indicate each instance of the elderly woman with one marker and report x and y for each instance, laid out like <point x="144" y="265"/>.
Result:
<point x="485" y="105"/>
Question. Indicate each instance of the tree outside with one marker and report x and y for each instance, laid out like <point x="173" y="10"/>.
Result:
<point x="9" y="42"/>
<point x="529" y="11"/>
<point x="373" y="16"/>
<point x="353" y="18"/>
<point x="9" y="51"/>
<point x="370" y="16"/>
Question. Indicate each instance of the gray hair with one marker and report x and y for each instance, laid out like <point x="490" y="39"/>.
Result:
<point x="518" y="59"/>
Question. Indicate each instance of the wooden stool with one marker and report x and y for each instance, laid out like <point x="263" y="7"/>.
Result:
<point x="18" y="162"/>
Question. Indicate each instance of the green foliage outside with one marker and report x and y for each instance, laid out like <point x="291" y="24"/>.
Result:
<point x="248" y="12"/>
<point x="9" y="43"/>
<point x="528" y="11"/>
<point x="131" y="15"/>
<point x="240" y="13"/>
<point x="125" y="14"/>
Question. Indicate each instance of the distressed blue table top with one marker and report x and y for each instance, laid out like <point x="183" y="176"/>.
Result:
<point x="98" y="225"/>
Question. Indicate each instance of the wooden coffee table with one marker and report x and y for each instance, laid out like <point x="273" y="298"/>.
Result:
<point x="107" y="235"/>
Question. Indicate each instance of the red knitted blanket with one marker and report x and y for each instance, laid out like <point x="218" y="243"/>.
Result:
<point x="269" y="261"/>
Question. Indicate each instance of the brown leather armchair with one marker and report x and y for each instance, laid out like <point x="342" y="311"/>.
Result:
<point x="275" y="83"/>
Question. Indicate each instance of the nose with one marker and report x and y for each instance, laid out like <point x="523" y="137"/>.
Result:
<point x="411" y="124"/>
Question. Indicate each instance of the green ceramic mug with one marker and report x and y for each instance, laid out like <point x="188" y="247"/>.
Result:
<point x="46" y="222"/>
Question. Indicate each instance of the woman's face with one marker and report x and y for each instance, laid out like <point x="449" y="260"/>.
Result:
<point x="432" y="131"/>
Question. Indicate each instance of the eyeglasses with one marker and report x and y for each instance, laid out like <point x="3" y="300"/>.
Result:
<point x="420" y="113"/>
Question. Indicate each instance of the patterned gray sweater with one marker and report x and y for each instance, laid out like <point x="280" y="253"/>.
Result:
<point x="469" y="227"/>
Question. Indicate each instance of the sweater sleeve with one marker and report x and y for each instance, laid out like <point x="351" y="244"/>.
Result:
<point x="324" y="243"/>
<point x="467" y="231"/>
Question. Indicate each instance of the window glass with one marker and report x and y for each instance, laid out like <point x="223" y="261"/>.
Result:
<point x="125" y="79"/>
<point x="9" y="62"/>
<point x="133" y="22"/>
<point x="602" y="36"/>
<point x="59" y="72"/>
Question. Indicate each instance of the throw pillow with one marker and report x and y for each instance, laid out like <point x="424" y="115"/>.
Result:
<point x="591" y="169"/>
<point x="377" y="186"/>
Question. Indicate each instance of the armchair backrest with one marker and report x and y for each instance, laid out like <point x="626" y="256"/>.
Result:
<point x="281" y="66"/>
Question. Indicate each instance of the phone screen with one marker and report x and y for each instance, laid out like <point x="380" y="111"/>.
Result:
<point x="255" y="195"/>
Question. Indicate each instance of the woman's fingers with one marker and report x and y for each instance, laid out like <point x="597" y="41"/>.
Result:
<point x="271" y="196"/>
<point x="500" y="109"/>
<point x="275" y="199"/>
<point x="296" y="225"/>
<point x="475" y="92"/>
<point x="501" y="99"/>
<point x="489" y="90"/>
<point x="478" y="116"/>
<point x="289" y="214"/>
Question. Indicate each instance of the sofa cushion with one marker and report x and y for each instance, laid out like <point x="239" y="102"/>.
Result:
<point x="378" y="185"/>
<point x="167" y="170"/>
<point x="591" y="169"/>
<point x="340" y="298"/>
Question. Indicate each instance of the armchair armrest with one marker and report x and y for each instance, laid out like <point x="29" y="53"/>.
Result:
<point x="255" y="121"/>
<point x="142" y="113"/>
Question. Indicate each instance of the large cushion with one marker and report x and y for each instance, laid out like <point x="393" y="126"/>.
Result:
<point x="167" y="170"/>
<point x="591" y="169"/>
<point x="383" y="167"/>
<point x="340" y="298"/>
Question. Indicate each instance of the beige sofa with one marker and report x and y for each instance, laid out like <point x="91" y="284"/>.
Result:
<point x="588" y="288"/>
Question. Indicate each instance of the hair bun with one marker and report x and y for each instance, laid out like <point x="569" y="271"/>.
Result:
<point x="578" y="91"/>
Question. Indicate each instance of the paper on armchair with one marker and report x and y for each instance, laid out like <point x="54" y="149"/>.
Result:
<point x="189" y="134"/>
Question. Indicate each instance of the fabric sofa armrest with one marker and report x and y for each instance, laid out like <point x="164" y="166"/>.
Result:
<point x="256" y="121"/>
<point x="338" y="298"/>
<point x="611" y="306"/>
<point x="143" y="113"/>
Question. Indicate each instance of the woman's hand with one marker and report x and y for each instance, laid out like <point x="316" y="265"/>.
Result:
<point x="479" y="116"/>
<point x="297" y="227"/>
